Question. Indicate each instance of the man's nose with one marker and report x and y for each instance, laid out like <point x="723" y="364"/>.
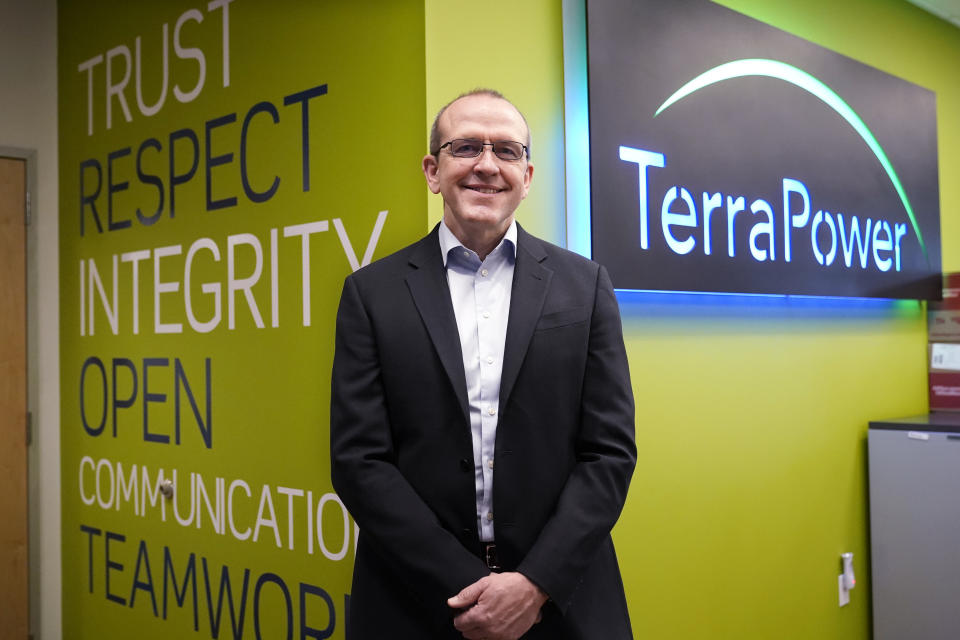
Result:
<point x="487" y="161"/>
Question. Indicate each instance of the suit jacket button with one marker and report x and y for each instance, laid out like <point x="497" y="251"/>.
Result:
<point x="466" y="533"/>
<point x="465" y="465"/>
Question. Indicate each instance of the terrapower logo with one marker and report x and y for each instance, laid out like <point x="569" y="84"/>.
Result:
<point x="686" y="219"/>
<point x="727" y="155"/>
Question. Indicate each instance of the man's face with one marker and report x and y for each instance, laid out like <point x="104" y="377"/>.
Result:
<point x="479" y="194"/>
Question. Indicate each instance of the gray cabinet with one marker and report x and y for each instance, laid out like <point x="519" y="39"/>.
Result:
<point x="914" y="468"/>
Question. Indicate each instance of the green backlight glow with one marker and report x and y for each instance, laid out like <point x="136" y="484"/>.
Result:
<point x="802" y="79"/>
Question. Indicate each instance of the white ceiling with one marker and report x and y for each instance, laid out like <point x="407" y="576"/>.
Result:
<point x="947" y="9"/>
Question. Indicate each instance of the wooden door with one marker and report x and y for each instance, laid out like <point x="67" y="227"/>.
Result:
<point x="13" y="401"/>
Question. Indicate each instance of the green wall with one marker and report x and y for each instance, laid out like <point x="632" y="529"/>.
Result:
<point x="529" y="72"/>
<point x="197" y="314"/>
<point x="752" y="416"/>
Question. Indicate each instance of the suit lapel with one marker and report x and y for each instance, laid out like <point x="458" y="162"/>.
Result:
<point x="530" y="283"/>
<point x="431" y="294"/>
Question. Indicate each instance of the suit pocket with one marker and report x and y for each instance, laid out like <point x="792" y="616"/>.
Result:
<point x="564" y="318"/>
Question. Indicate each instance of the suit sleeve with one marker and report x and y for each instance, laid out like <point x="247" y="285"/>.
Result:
<point x="403" y="529"/>
<point x="594" y="494"/>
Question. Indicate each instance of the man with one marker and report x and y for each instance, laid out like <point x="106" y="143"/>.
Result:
<point x="481" y="344"/>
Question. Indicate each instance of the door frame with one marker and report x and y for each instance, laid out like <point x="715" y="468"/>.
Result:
<point x="29" y="156"/>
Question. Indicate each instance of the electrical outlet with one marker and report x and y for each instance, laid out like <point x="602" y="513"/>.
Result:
<point x="844" y="592"/>
<point x="846" y="580"/>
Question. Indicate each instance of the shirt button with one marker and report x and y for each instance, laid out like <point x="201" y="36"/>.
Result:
<point x="490" y="463"/>
<point x="489" y="360"/>
<point x="466" y="254"/>
<point x="486" y="314"/>
<point x="484" y="273"/>
<point x="489" y="515"/>
<point x="491" y="410"/>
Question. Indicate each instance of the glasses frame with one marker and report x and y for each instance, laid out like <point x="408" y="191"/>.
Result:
<point x="484" y="145"/>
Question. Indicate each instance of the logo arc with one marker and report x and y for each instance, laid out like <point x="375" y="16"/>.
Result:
<point x="802" y="79"/>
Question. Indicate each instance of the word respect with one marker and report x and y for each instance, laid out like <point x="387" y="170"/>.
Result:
<point x="183" y="156"/>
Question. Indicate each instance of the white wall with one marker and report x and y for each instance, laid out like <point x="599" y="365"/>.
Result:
<point x="28" y="128"/>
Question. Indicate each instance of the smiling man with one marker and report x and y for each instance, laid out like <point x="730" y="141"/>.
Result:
<point x="482" y="429"/>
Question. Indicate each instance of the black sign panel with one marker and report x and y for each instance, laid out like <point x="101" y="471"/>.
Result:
<point x="727" y="155"/>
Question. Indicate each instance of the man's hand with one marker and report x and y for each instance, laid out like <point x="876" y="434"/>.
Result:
<point x="502" y="606"/>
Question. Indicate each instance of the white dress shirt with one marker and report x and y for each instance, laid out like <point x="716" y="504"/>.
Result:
<point x="480" y="291"/>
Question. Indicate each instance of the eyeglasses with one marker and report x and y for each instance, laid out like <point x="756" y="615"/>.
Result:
<point x="473" y="147"/>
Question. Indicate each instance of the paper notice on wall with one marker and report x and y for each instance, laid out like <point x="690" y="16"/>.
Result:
<point x="945" y="356"/>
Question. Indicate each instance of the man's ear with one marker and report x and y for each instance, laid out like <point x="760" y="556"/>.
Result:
<point x="430" y="169"/>
<point x="527" y="177"/>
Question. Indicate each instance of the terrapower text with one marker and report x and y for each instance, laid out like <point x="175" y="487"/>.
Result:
<point x="873" y="243"/>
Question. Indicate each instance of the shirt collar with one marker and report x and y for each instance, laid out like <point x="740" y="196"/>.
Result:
<point x="448" y="241"/>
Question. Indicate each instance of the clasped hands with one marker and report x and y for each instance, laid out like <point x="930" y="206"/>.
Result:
<point x="500" y="606"/>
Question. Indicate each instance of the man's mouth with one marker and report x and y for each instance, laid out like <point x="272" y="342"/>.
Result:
<point x="483" y="189"/>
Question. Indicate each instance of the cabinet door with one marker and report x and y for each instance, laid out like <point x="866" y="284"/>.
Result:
<point x="915" y="534"/>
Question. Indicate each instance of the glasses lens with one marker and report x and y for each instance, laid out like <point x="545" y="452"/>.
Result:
<point x="508" y="150"/>
<point x="466" y="147"/>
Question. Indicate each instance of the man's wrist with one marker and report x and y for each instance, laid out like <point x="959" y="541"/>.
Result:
<point x="538" y="590"/>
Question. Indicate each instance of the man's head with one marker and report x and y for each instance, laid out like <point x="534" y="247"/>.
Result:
<point x="481" y="193"/>
<point x="436" y="137"/>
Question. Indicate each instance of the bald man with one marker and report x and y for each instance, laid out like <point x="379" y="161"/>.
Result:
<point x="482" y="420"/>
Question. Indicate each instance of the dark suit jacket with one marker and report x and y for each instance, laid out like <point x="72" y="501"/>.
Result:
<point x="402" y="455"/>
